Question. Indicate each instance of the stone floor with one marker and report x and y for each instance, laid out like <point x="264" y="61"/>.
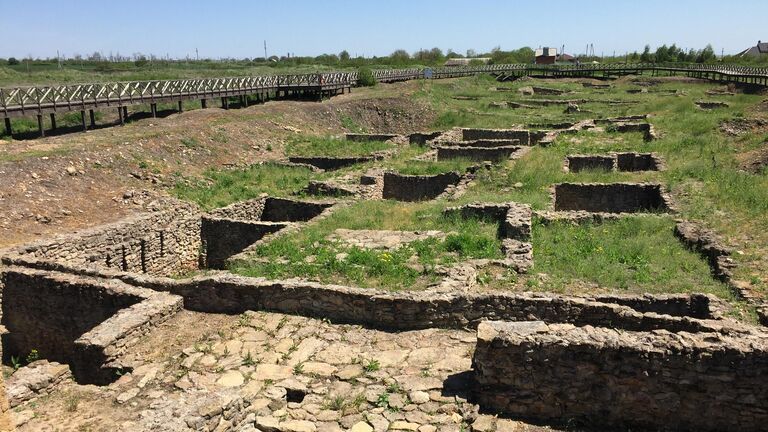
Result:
<point x="273" y="372"/>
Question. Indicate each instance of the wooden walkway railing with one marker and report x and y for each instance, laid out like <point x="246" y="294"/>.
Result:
<point x="38" y="100"/>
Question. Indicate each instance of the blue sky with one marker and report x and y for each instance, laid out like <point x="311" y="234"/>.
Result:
<point x="237" y="28"/>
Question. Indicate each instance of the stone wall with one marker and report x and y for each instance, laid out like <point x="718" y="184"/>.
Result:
<point x="495" y="154"/>
<point x="603" y="377"/>
<point x="410" y="310"/>
<point x="222" y="238"/>
<point x="610" y="197"/>
<point x="638" y="162"/>
<point x="160" y="242"/>
<point x="576" y="163"/>
<point x="478" y="134"/>
<point x="63" y="317"/>
<point x="421" y="138"/>
<point x="230" y="230"/>
<point x="417" y="187"/>
<point x="368" y="137"/>
<point x="614" y="162"/>
<point x="330" y="163"/>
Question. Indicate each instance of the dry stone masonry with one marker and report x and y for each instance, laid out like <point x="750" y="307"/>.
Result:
<point x="623" y="379"/>
<point x="629" y="161"/>
<point x="610" y="197"/>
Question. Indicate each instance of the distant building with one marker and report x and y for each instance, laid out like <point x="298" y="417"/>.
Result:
<point x="758" y="50"/>
<point x="566" y="58"/>
<point x="546" y="55"/>
<point x="465" y="61"/>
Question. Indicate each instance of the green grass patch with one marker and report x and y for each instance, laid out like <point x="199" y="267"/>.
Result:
<point x="219" y="188"/>
<point x="411" y="266"/>
<point x="332" y="147"/>
<point x="633" y="255"/>
<point x="417" y="167"/>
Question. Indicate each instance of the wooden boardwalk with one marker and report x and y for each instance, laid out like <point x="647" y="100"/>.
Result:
<point x="41" y="100"/>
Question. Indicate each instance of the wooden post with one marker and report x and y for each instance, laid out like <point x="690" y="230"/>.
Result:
<point x="154" y="110"/>
<point x="125" y="113"/>
<point x="82" y="120"/>
<point x="40" y="125"/>
<point x="120" y="115"/>
<point x="53" y="121"/>
<point x="244" y="101"/>
<point x="8" y="128"/>
<point x="93" y="118"/>
<point x="203" y="103"/>
<point x="225" y="103"/>
<point x="181" y="108"/>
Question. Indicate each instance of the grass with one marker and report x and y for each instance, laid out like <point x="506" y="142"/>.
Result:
<point x="412" y="265"/>
<point x="634" y="255"/>
<point x="417" y="167"/>
<point x="702" y="168"/>
<point x="330" y="146"/>
<point x="223" y="187"/>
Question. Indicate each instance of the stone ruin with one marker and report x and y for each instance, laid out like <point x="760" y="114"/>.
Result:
<point x="628" y="161"/>
<point x="650" y="361"/>
<point x="610" y="197"/>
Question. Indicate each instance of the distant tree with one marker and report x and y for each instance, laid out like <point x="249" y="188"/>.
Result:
<point x="344" y="56"/>
<point x="451" y="54"/>
<point x="400" y="57"/>
<point x="13" y="61"/>
<point x="645" y="57"/>
<point x="471" y="53"/>
<point x="706" y="55"/>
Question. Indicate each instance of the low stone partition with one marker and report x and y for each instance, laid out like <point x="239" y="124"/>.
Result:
<point x="610" y="197"/>
<point x="497" y="134"/>
<point x="514" y="221"/>
<point x="225" y="293"/>
<point x="576" y="163"/>
<point x="331" y="163"/>
<point x="230" y="230"/>
<point x="604" y="377"/>
<point x="493" y="154"/>
<point x="706" y="243"/>
<point x="647" y="129"/>
<point x="161" y="242"/>
<point x="82" y="321"/>
<point x="709" y="105"/>
<point x="403" y="187"/>
<point x="359" y="137"/>
<point x="421" y="138"/>
<point x="628" y="161"/>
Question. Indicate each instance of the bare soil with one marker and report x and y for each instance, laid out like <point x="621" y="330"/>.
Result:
<point x="68" y="182"/>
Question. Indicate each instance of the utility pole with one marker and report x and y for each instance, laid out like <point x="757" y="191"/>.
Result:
<point x="58" y="58"/>
<point x="265" y="50"/>
<point x="197" y="55"/>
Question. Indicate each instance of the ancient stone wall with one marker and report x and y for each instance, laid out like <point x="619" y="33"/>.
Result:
<point x="479" y="134"/>
<point x="287" y="210"/>
<point x="330" y="163"/>
<point x="408" y="310"/>
<point x="161" y="242"/>
<point x="369" y="137"/>
<point x="494" y="154"/>
<point x="576" y="163"/>
<point x="54" y="314"/>
<point x="249" y="210"/>
<point x="614" y="162"/>
<point x="638" y="162"/>
<point x="222" y="238"/>
<point x="421" y="138"/>
<point x="415" y="187"/>
<point x="612" y="378"/>
<point x="610" y="197"/>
